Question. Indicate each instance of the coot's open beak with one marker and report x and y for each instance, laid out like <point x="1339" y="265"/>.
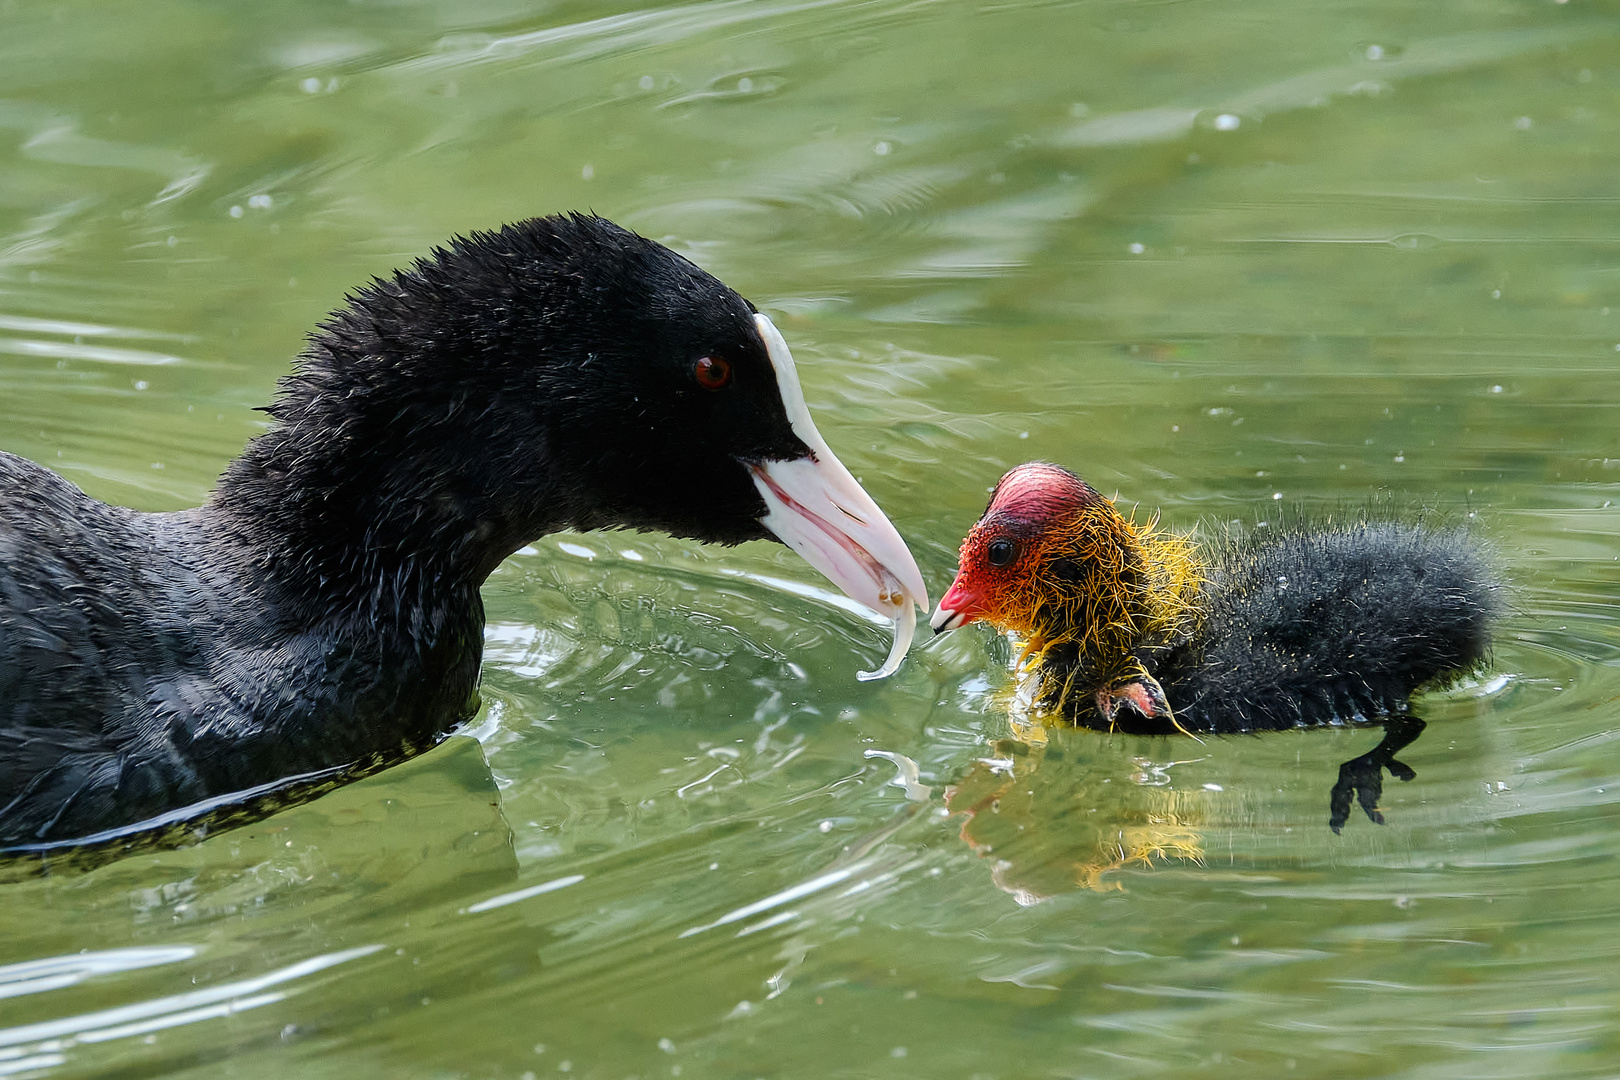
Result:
<point x="815" y="507"/>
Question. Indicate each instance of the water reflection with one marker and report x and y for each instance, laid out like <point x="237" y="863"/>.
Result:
<point x="1052" y="813"/>
<point x="419" y="838"/>
<point x="1050" y="821"/>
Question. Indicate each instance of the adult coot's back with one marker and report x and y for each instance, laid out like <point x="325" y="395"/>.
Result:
<point x="323" y="607"/>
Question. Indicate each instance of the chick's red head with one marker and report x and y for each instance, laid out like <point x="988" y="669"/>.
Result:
<point x="1000" y="564"/>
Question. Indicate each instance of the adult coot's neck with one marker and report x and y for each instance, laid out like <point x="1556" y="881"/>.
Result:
<point x="397" y="465"/>
<point x="514" y="383"/>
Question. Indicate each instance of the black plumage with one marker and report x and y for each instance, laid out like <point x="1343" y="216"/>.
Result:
<point x="322" y="610"/>
<point x="1302" y="626"/>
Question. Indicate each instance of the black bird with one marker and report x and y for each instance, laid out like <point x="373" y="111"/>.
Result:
<point x="322" y="608"/>
<point x="1128" y="627"/>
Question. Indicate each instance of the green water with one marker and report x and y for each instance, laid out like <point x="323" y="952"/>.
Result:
<point x="1212" y="255"/>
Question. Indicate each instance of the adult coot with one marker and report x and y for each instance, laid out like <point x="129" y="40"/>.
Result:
<point x="322" y="609"/>
<point x="1127" y="627"/>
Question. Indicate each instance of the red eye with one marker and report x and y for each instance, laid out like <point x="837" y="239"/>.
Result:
<point x="711" y="372"/>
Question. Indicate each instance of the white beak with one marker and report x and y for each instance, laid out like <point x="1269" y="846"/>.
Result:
<point x="816" y="508"/>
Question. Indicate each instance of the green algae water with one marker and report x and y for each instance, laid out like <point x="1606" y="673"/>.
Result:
<point x="1215" y="257"/>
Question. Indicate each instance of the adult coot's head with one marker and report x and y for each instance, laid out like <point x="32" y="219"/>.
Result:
<point x="561" y="372"/>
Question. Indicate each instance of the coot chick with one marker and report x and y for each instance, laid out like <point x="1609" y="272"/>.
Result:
<point x="1132" y="628"/>
<point x="322" y="609"/>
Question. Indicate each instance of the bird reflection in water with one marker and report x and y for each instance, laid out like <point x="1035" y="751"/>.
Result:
<point x="1050" y="821"/>
<point x="1049" y="827"/>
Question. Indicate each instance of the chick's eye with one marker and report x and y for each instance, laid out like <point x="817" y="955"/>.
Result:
<point x="1000" y="552"/>
<point x="711" y="372"/>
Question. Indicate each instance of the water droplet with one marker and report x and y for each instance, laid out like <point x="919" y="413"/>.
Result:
<point x="1228" y="122"/>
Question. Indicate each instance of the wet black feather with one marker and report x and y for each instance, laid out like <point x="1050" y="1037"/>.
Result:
<point x="1304" y="625"/>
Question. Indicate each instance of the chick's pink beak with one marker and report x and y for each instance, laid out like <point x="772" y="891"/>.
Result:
<point x="960" y="605"/>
